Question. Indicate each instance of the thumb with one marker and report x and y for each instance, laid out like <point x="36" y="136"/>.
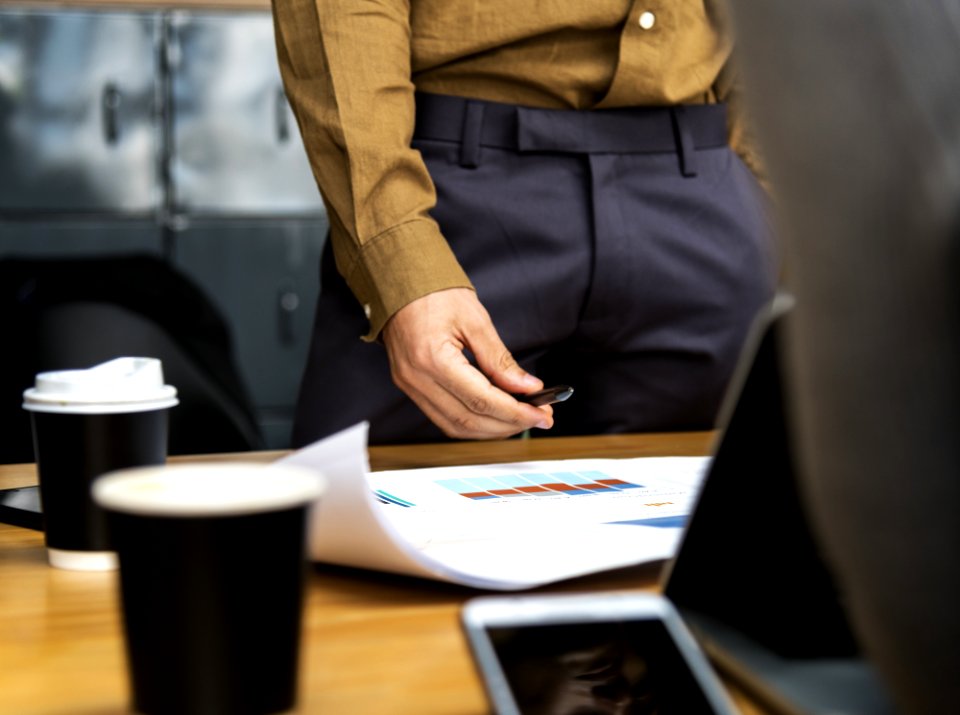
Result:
<point x="497" y="363"/>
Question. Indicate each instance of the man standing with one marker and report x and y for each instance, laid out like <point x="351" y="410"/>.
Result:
<point x="520" y="189"/>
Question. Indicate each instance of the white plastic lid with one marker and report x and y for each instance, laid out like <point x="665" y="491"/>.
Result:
<point x="83" y="560"/>
<point x="126" y="384"/>
<point x="208" y="489"/>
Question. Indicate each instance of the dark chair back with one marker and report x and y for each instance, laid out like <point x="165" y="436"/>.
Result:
<point x="58" y="314"/>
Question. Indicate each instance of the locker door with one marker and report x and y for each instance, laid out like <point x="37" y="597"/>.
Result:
<point x="263" y="276"/>
<point x="236" y="148"/>
<point x="79" y="98"/>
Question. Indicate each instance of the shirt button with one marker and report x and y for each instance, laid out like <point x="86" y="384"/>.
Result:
<point x="366" y="310"/>
<point x="647" y="20"/>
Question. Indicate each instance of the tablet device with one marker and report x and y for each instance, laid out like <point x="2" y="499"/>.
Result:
<point x="749" y="578"/>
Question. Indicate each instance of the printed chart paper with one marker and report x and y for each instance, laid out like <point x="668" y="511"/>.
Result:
<point x="497" y="526"/>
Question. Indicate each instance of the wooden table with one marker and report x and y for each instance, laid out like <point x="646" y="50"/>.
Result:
<point x="373" y="643"/>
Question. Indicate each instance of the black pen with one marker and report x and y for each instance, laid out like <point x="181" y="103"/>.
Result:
<point x="548" y="396"/>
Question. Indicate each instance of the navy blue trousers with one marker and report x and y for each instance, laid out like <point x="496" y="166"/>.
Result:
<point x="623" y="252"/>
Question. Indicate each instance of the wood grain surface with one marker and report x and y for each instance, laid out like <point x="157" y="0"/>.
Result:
<point x="373" y="642"/>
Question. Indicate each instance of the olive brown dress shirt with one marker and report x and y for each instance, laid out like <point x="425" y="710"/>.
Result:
<point x="350" y="68"/>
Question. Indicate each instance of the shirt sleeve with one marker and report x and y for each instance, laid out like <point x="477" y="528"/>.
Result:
<point x="346" y="68"/>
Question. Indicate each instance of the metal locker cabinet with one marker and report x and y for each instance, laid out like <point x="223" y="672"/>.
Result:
<point x="78" y="237"/>
<point x="248" y="218"/>
<point x="79" y="95"/>
<point x="262" y="275"/>
<point x="235" y="145"/>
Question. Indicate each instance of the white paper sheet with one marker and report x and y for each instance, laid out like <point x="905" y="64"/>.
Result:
<point x="502" y="526"/>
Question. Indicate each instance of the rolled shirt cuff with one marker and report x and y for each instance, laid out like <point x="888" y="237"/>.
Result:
<point x="400" y="265"/>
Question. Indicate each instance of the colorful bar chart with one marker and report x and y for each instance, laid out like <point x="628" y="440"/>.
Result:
<point x="526" y="484"/>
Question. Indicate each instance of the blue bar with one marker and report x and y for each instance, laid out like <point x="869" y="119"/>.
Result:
<point x="661" y="522"/>
<point x="387" y="496"/>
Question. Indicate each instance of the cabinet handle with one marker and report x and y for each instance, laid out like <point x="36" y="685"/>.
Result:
<point x="288" y="301"/>
<point x="110" y="101"/>
<point x="283" y="121"/>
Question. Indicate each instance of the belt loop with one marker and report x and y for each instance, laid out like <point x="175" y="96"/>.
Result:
<point x="470" y="135"/>
<point x="685" y="147"/>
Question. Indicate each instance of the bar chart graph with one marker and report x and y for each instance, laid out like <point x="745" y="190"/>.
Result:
<point x="537" y="484"/>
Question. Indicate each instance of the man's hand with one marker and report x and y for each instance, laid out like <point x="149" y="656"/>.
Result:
<point x="426" y="340"/>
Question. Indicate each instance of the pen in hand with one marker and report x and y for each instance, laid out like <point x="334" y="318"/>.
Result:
<point x="548" y="396"/>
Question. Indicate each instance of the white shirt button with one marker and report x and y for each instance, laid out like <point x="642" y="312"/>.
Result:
<point x="366" y="310"/>
<point x="647" y="20"/>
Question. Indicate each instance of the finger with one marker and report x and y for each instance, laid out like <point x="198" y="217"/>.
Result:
<point x="431" y="385"/>
<point x="474" y="389"/>
<point x="473" y="412"/>
<point x="457" y="420"/>
<point x="481" y="399"/>
<point x="496" y="361"/>
<point x="464" y="402"/>
<point x="425" y="342"/>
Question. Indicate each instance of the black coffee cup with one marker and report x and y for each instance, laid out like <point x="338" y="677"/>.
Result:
<point x="212" y="566"/>
<point x="86" y="423"/>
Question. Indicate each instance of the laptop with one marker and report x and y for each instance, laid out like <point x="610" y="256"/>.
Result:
<point x="749" y="579"/>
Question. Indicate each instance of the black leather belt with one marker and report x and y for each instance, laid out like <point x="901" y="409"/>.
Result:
<point x="527" y="129"/>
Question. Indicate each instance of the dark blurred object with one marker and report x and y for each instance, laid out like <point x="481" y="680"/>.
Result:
<point x="68" y="314"/>
<point x="749" y="577"/>
<point x="858" y="111"/>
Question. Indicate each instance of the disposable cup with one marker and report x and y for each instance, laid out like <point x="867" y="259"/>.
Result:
<point x="212" y="566"/>
<point x="86" y="423"/>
